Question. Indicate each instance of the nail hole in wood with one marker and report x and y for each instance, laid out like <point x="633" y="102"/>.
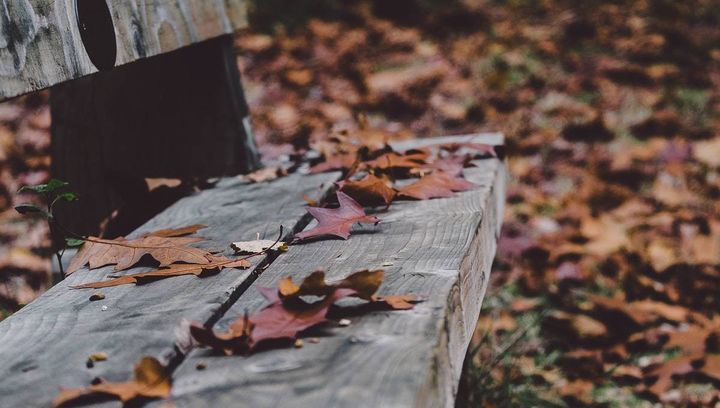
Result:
<point x="97" y="32"/>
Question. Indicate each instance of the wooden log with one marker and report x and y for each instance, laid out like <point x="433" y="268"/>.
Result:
<point x="178" y="115"/>
<point x="46" y="344"/>
<point x="441" y="249"/>
<point x="47" y="42"/>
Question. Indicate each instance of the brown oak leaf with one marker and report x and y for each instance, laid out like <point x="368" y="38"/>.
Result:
<point x="151" y="381"/>
<point x="395" y="160"/>
<point x="217" y="265"/>
<point x="266" y="174"/>
<point x="164" y="246"/>
<point x="337" y="221"/>
<point x="336" y="162"/>
<point x="371" y="190"/>
<point x="436" y="185"/>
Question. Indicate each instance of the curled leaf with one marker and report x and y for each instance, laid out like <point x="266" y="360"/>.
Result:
<point x="289" y="314"/>
<point x="151" y="381"/>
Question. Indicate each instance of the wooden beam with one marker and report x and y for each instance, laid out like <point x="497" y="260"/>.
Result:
<point x="42" y="40"/>
<point x="46" y="344"/>
<point x="442" y="249"/>
<point x="178" y="115"/>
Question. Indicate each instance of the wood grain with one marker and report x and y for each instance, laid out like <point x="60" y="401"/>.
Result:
<point x="441" y="249"/>
<point x="41" y="44"/>
<point x="46" y="344"/>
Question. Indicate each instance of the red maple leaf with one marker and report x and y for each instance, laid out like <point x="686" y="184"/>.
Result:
<point x="337" y="221"/>
<point x="436" y="185"/>
<point x="288" y="313"/>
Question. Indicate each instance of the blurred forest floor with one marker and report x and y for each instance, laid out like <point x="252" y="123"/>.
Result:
<point x="606" y="288"/>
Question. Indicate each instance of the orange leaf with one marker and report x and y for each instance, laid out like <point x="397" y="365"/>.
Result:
<point x="217" y="265"/>
<point x="394" y="160"/>
<point x="370" y="190"/>
<point x="436" y="185"/>
<point x="151" y="381"/>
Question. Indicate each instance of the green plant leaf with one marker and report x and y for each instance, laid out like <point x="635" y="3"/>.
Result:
<point x="30" y="209"/>
<point x="68" y="196"/>
<point x="73" y="243"/>
<point x="50" y="186"/>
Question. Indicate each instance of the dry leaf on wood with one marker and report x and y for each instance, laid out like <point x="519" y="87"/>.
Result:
<point x="371" y="190"/>
<point x="337" y="221"/>
<point x="155" y="183"/>
<point x="288" y="314"/>
<point x="452" y="165"/>
<point x="394" y="160"/>
<point x="266" y="174"/>
<point x="436" y="185"/>
<point x="151" y="381"/>
<point x="164" y="246"/>
<point x="335" y="162"/>
<point x="217" y="265"/>
<point x="175" y="232"/>
<point x="258" y="246"/>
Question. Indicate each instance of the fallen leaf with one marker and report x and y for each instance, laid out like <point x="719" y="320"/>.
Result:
<point x="164" y="246"/>
<point x="337" y="221"/>
<point x="258" y="246"/>
<point x="708" y="152"/>
<point x="691" y="340"/>
<point x="452" y="165"/>
<point x="665" y="372"/>
<point x="335" y="162"/>
<point x="151" y="381"/>
<point x="371" y="190"/>
<point x="276" y="321"/>
<point x="266" y="174"/>
<point x="155" y="183"/>
<point x="289" y="314"/>
<point x="216" y="265"/>
<point x="365" y="283"/>
<point x="394" y="160"/>
<point x="711" y="366"/>
<point x="99" y="356"/>
<point x="175" y="232"/>
<point x="436" y="185"/>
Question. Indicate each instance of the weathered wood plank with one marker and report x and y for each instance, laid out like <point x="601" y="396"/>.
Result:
<point x="442" y="249"/>
<point x="41" y="43"/>
<point x="46" y="344"/>
<point x="179" y="115"/>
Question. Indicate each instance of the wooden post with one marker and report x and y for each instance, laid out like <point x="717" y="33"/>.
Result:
<point x="177" y="115"/>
